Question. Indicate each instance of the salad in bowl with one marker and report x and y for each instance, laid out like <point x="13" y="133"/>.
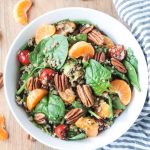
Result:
<point x="74" y="80"/>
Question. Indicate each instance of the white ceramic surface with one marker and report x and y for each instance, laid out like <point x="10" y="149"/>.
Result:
<point x="119" y="34"/>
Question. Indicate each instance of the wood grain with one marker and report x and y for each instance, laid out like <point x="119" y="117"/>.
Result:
<point x="8" y="31"/>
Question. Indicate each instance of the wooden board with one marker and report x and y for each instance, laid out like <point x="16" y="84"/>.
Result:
<point x="9" y="29"/>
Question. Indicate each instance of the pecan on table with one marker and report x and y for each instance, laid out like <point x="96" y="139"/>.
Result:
<point x="1" y="80"/>
<point x="33" y="83"/>
<point x="118" y="65"/>
<point x="73" y="115"/>
<point x="40" y="118"/>
<point x="86" y="29"/>
<point x="100" y="57"/>
<point x="96" y="37"/>
<point x="85" y="95"/>
<point x="61" y="82"/>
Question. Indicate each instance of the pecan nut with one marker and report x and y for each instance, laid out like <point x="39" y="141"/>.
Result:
<point x="118" y="65"/>
<point x="33" y="83"/>
<point x="85" y="95"/>
<point x="1" y="80"/>
<point x="86" y="29"/>
<point x="61" y="82"/>
<point x="96" y="37"/>
<point x="73" y="115"/>
<point x="40" y="118"/>
<point x="100" y="57"/>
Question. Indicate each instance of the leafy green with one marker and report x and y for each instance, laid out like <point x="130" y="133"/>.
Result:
<point x="77" y="104"/>
<point x="82" y="22"/>
<point x="132" y="75"/>
<point x="97" y="77"/>
<point x="24" y="76"/>
<point x="101" y="49"/>
<point x="56" y="109"/>
<point x="79" y="37"/>
<point x="131" y="58"/>
<point x="78" y="137"/>
<point x="116" y="104"/>
<point x="93" y="114"/>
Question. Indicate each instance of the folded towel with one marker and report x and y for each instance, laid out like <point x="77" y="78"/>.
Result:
<point x="136" y="13"/>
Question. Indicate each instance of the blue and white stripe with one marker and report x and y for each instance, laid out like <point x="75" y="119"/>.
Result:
<point x="136" y="13"/>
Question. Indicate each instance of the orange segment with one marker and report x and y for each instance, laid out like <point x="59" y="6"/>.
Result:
<point x="68" y="96"/>
<point x="81" y="48"/>
<point x="108" y="42"/>
<point x="20" y="11"/>
<point x="89" y="125"/>
<point x="3" y="134"/>
<point x="122" y="89"/>
<point x="104" y="110"/>
<point x="44" y="31"/>
<point x="34" y="97"/>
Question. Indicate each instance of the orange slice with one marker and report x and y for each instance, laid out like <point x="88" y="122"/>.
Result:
<point x="89" y="125"/>
<point x="68" y="96"/>
<point x="20" y="11"/>
<point x="122" y="89"/>
<point x="108" y="42"/>
<point x="81" y="48"/>
<point x="34" y="97"/>
<point x="44" y="31"/>
<point x="2" y="121"/>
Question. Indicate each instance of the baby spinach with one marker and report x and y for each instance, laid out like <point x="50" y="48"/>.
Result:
<point x="77" y="104"/>
<point x="78" y="137"/>
<point x="79" y="37"/>
<point x="116" y="103"/>
<point x="132" y="75"/>
<point x="97" y="77"/>
<point x="82" y="22"/>
<point x="56" y="109"/>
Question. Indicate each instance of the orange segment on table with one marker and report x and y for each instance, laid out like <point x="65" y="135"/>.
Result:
<point x="122" y="89"/>
<point x="34" y="97"/>
<point x="44" y="31"/>
<point x="20" y="11"/>
<point x="81" y="48"/>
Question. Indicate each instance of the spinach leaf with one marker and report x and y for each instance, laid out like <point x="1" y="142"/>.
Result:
<point x="78" y="137"/>
<point x="24" y="76"/>
<point x="97" y="77"/>
<point x="56" y="109"/>
<point x="42" y="107"/>
<point x="131" y="58"/>
<point x="82" y="22"/>
<point x="79" y="37"/>
<point x="116" y="104"/>
<point x="77" y="104"/>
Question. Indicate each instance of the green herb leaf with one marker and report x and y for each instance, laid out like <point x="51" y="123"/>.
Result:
<point x="77" y="104"/>
<point x="97" y="77"/>
<point x="78" y="137"/>
<point x="56" y="109"/>
<point x="132" y="75"/>
<point x="80" y="37"/>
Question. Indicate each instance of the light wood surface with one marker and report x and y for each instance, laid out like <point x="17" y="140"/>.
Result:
<point x="9" y="29"/>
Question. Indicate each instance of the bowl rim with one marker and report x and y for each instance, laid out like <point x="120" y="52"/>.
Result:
<point x="28" y="26"/>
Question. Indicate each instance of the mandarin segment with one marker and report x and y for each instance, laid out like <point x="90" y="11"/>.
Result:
<point x="44" y="31"/>
<point x="89" y="125"/>
<point x="20" y="11"/>
<point x="34" y="97"/>
<point x="81" y="48"/>
<point x="122" y="89"/>
<point x="3" y="134"/>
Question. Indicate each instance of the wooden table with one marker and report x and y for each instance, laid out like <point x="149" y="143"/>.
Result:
<point x="9" y="29"/>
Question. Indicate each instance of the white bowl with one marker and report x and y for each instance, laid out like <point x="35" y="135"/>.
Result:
<point x="114" y="29"/>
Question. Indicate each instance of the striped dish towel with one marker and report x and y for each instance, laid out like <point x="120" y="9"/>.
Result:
<point x="136" y="13"/>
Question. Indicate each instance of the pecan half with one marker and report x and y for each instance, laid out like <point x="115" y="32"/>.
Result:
<point x="118" y="65"/>
<point x="61" y="82"/>
<point x="86" y="29"/>
<point x="1" y="80"/>
<point x="33" y="83"/>
<point x="96" y="37"/>
<point x="40" y="118"/>
<point x="73" y="115"/>
<point x="100" y="57"/>
<point x="85" y="95"/>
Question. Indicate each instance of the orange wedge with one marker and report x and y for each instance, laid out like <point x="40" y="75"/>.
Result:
<point x="108" y="42"/>
<point x="68" y="96"/>
<point x="2" y="121"/>
<point x="34" y="97"/>
<point x="44" y="31"/>
<point x="81" y="48"/>
<point x="20" y="11"/>
<point x="122" y="89"/>
<point x="89" y="125"/>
